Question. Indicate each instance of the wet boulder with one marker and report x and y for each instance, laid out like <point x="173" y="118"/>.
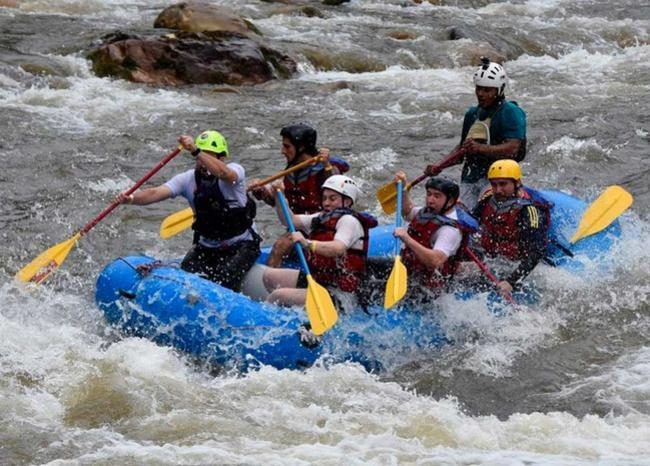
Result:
<point x="508" y="43"/>
<point x="202" y="17"/>
<point x="299" y="10"/>
<point x="190" y="58"/>
<point x="470" y="54"/>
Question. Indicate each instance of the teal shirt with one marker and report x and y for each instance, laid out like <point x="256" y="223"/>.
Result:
<point x="508" y="122"/>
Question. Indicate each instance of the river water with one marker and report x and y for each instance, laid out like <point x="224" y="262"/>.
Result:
<point x="564" y="383"/>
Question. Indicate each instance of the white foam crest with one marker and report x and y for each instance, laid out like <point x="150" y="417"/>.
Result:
<point x="530" y="8"/>
<point x="593" y="72"/>
<point x="320" y="415"/>
<point x="43" y="346"/>
<point x="111" y="185"/>
<point x="394" y="112"/>
<point x="424" y="82"/>
<point x="91" y="103"/>
<point x="343" y="411"/>
<point x="147" y="361"/>
<point x="568" y="152"/>
<point x="334" y="30"/>
<point x="6" y="81"/>
<point x="126" y="11"/>
<point x="624" y="385"/>
<point x="495" y="335"/>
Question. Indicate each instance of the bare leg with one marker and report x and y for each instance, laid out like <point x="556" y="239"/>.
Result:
<point x="280" y="278"/>
<point x="279" y="250"/>
<point x="288" y="296"/>
<point x="282" y="285"/>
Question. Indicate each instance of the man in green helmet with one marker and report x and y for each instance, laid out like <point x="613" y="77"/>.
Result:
<point x="226" y="243"/>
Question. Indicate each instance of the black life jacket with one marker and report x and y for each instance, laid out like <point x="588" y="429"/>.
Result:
<point x="218" y="218"/>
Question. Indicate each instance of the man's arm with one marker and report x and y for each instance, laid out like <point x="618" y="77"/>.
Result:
<point x="507" y="149"/>
<point x="532" y="242"/>
<point x="218" y="167"/>
<point x="146" y="196"/>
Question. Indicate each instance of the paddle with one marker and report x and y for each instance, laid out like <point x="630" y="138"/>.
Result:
<point x="603" y="211"/>
<point x="387" y="194"/>
<point x="396" y="285"/>
<point x="320" y="309"/>
<point x="47" y="262"/>
<point x="182" y="220"/>
<point x="488" y="273"/>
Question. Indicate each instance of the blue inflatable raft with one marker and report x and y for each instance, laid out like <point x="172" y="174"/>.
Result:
<point x="179" y="309"/>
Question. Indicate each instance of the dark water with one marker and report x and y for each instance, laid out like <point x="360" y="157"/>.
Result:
<point x="566" y="383"/>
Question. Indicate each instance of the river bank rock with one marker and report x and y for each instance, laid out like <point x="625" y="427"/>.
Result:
<point x="216" y="57"/>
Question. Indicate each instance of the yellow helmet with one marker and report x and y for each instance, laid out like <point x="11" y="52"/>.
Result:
<point x="212" y="141"/>
<point x="505" y="168"/>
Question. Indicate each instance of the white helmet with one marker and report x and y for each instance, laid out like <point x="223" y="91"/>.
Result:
<point x="343" y="185"/>
<point x="491" y="75"/>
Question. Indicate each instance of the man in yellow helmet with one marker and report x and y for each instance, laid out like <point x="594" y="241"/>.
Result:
<point x="514" y="222"/>
<point x="226" y="244"/>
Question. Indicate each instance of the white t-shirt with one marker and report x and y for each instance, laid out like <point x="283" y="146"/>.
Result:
<point x="446" y="239"/>
<point x="184" y="184"/>
<point x="348" y="229"/>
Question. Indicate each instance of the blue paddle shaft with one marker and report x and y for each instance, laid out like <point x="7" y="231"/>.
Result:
<point x="398" y="215"/>
<point x="292" y="229"/>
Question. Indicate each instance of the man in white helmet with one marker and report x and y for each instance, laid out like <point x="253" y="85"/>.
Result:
<point x="336" y="242"/>
<point x="494" y="129"/>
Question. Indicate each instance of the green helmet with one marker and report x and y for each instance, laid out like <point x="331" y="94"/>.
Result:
<point x="212" y="141"/>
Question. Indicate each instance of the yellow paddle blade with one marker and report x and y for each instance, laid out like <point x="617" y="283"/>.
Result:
<point x="396" y="285"/>
<point x="47" y="262"/>
<point x="320" y="308"/>
<point x="176" y="222"/>
<point x="603" y="211"/>
<point x="387" y="197"/>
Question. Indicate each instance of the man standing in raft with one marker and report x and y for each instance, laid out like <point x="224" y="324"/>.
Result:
<point x="225" y="241"/>
<point x="302" y="187"/>
<point x="514" y="222"/>
<point x="495" y="129"/>
<point x="337" y="242"/>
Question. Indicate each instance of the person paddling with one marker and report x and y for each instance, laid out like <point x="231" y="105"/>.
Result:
<point x="336" y="241"/>
<point x="226" y="243"/>
<point x="432" y="238"/>
<point x="514" y="222"/>
<point x="302" y="188"/>
<point x="494" y="129"/>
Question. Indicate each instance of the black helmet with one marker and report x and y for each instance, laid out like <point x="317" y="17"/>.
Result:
<point x="448" y="187"/>
<point x="302" y="136"/>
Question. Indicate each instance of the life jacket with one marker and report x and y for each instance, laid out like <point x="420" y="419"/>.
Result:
<point x="422" y="228"/>
<point x="345" y="272"/>
<point x="499" y="232"/>
<point x="303" y="187"/>
<point x="218" y="218"/>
